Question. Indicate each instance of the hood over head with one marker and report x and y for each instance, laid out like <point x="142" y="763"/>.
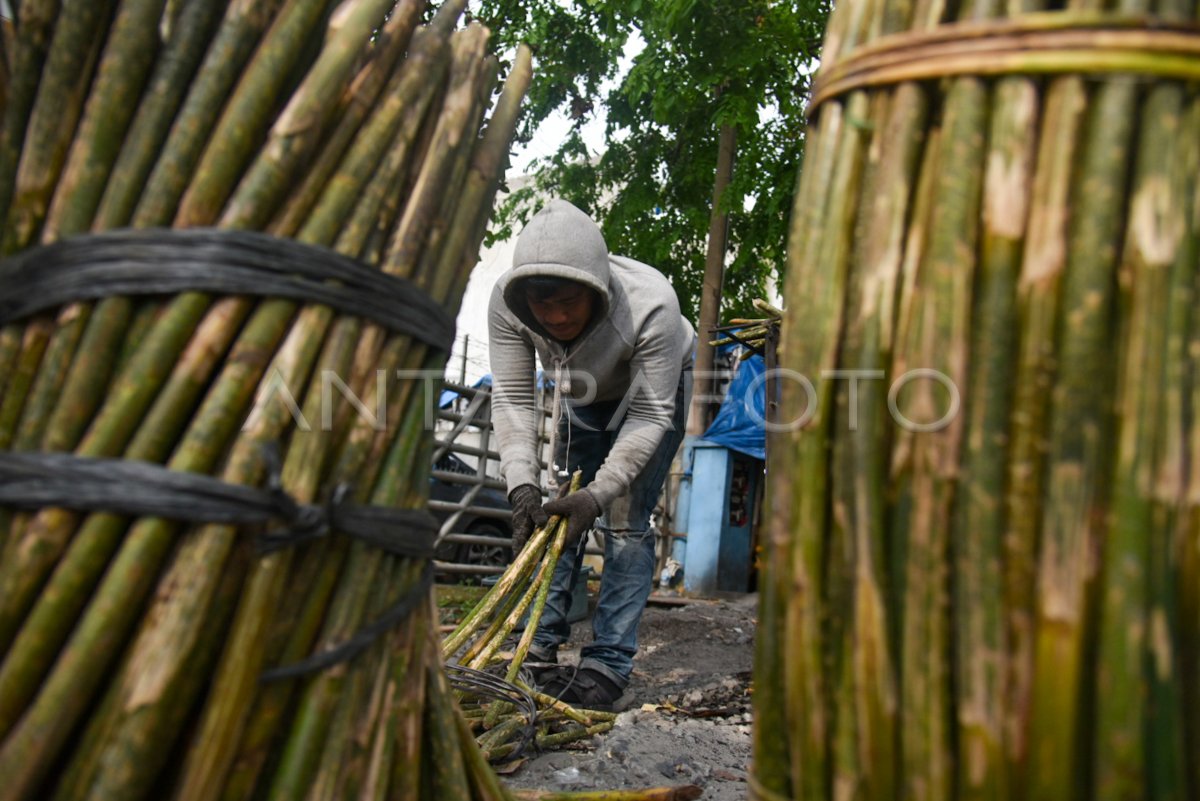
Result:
<point x="562" y="242"/>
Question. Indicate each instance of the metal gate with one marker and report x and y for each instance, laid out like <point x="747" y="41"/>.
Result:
<point x="467" y="493"/>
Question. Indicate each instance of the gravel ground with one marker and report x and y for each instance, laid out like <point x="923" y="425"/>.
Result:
<point x="690" y="723"/>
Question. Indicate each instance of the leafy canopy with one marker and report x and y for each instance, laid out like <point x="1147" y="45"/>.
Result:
<point x="706" y="63"/>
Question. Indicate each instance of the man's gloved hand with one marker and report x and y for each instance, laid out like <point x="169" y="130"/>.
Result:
<point x="526" y="503"/>
<point x="580" y="509"/>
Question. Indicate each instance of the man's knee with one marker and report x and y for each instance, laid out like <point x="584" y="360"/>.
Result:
<point x="627" y="513"/>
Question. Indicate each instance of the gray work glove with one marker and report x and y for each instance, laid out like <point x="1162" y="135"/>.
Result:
<point x="526" y="503"/>
<point x="580" y="509"/>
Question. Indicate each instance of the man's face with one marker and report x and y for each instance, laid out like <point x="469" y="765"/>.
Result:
<point x="565" y="313"/>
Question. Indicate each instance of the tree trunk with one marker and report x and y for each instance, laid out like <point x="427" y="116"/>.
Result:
<point x="710" y="296"/>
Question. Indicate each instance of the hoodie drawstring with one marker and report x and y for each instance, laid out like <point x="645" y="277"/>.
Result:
<point x="555" y="418"/>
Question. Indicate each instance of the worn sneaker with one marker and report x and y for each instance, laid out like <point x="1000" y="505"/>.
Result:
<point x="586" y="688"/>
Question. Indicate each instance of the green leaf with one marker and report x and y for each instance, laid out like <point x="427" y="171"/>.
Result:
<point x="704" y="64"/>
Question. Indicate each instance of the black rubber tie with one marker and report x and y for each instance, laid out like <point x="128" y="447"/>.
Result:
<point x="156" y="261"/>
<point x="361" y="640"/>
<point x="137" y="489"/>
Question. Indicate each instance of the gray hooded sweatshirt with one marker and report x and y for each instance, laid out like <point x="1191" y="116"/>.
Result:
<point x="633" y="349"/>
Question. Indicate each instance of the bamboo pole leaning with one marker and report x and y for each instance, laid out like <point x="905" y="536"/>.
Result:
<point x="135" y="649"/>
<point x="980" y="564"/>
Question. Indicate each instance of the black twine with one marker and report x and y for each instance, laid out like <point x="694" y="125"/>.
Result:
<point x="219" y="261"/>
<point x="345" y="651"/>
<point x="129" y="487"/>
<point x="134" y="488"/>
<point x="487" y="685"/>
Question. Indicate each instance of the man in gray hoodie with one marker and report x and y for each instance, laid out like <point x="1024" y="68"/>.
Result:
<point x="609" y="332"/>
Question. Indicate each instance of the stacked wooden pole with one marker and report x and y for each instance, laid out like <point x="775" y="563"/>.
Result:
<point x="981" y="565"/>
<point x="134" y="649"/>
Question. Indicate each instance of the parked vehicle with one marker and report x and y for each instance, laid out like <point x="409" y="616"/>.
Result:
<point x="489" y="516"/>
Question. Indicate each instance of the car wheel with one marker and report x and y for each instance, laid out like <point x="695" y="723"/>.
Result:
<point x="498" y="555"/>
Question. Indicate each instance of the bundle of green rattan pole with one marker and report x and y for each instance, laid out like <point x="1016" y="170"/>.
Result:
<point x="982" y="570"/>
<point x="750" y="332"/>
<point x="135" y="649"/>
<point x="481" y="641"/>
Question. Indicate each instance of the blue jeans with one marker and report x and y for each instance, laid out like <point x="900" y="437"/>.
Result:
<point x="585" y="436"/>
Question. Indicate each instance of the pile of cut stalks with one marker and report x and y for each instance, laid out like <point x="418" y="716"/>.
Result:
<point x="751" y="333"/>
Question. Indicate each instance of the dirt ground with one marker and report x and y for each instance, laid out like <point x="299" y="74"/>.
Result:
<point x="690" y="721"/>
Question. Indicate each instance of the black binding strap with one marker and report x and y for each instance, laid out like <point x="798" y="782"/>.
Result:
<point x="121" y="486"/>
<point x="220" y="261"/>
<point x="124" y="486"/>
<point x="353" y="646"/>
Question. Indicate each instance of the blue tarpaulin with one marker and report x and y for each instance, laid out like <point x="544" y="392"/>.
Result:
<point x="740" y="422"/>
